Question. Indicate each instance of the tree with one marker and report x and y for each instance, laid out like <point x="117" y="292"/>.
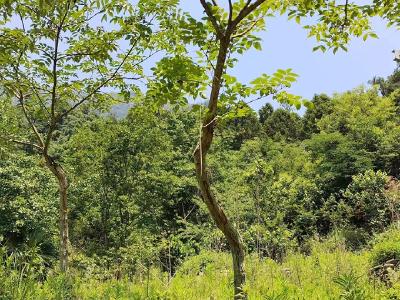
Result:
<point x="235" y="131"/>
<point x="369" y="122"/>
<point x="284" y="124"/>
<point x="226" y="33"/>
<point x="265" y="112"/>
<point x="338" y="158"/>
<point x="322" y="105"/>
<point x="27" y="211"/>
<point x="132" y="179"/>
<point x="229" y="31"/>
<point x="55" y="60"/>
<point x="390" y="86"/>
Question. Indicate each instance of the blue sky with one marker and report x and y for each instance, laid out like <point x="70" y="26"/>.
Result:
<point x="285" y="45"/>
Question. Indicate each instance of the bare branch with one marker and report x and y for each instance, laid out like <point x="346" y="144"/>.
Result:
<point x="55" y="61"/>
<point x="55" y="79"/>
<point x="22" y="20"/>
<point x="19" y="95"/>
<point x="208" y="60"/>
<point x="345" y="16"/>
<point x="34" y="9"/>
<point x="87" y="19"/>
<point x="78" y="54"/>
<point x="36" y="92"/>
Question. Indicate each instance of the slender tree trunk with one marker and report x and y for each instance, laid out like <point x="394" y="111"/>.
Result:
<point x="59" y="173"/>
<point x="223" y="223"/>
<point x="207" y="134"/>
<point x="224" y="36"/>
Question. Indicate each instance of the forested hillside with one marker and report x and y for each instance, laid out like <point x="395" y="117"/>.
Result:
<point x="148" y="205"/>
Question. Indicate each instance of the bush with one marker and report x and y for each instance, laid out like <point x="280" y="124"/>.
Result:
<point x="205" y="262"/>
<point x="355" y="238"/>
<point x="370" y="206"/>
<point x="61" y="287"/>
<point x="386" y="247"/>
<point x="269" y="241"/>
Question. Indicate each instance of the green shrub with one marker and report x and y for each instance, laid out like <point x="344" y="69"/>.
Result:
<point x="269" y="241"/>
<point x="386" y="247"/>
<point x="205" y="262"/>
<point x="284" y="295"/>
<point x="392" y="293"/>
<point x="355" y="238"/>
<point x="61" y="286"/>
<point x="368" y="202"/>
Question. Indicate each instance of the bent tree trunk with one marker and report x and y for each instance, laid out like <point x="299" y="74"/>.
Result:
<point x="207" y="134"/>
<point x="231" y="234"/>
<point x="225" y="35"/>
<point x="59" y="173"/>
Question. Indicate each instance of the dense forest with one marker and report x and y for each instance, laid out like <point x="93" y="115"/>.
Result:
<point x="155" y="202"/>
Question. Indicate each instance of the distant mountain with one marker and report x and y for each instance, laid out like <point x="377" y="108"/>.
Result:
<point x="120" y="110"/>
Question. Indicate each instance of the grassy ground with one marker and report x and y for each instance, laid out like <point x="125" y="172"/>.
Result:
<point x="328" y="273"/>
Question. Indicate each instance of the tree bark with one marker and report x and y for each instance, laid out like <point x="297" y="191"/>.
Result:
<point x="224" y="36"/>
<point x="231" y="234"/>
<point x="59" y="173"/>
<point x="217" y="213"/>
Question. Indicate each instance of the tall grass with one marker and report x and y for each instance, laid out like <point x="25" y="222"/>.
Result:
<point x="329" y="272"/>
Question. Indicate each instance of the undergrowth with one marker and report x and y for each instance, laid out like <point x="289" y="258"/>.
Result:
<point x="329" y="272"/>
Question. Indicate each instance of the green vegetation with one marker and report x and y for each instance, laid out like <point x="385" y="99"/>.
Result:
<point x="148" y="205"/>
<point x="329" y="272"/>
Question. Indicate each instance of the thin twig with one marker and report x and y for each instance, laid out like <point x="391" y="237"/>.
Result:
<point x="247" y="9"/>
<point x="345" y="15"/>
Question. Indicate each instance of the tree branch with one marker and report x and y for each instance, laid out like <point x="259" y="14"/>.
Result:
<point x="230" y="12"/>
<point x="36" y="132"/>
<point x="246" y="10"/>
<point x="55" y="79"/>
<point x="55" y="61"/>
<point x="225" y="40"/>
<point x="61" y="116"/>
<point x="19" y="142"/>
<point x="345" y="15"/>
<point x="78" y="54"/>
<point x="19" y="95"/>
<point x="219" y="31"/>
<point x="248" y="29"/>
<point x="85" y="20"/>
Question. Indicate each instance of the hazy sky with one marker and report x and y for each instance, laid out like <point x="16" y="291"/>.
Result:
<point x="285" y="45"/>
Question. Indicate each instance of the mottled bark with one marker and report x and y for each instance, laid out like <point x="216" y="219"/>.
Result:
<point x="59" y="173"/>
<point x="225" y="34"/>
<point x="217" y="213"/>
<point x="223" y="223"/>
